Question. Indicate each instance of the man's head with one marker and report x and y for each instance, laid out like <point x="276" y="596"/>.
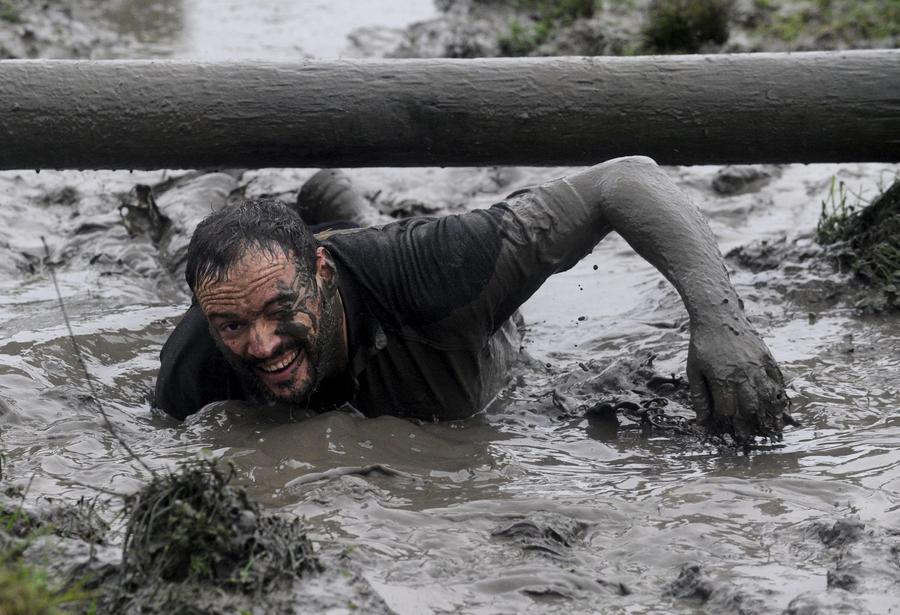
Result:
<point x="270" y="294"/>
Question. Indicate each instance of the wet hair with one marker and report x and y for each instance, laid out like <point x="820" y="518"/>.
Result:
<point x="223" y="237"/>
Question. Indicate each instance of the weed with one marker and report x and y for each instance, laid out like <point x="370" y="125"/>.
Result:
<point x="9" y="13"/>
<point x="842" y="20"/>
<point x="835" y="212"/>
<point x="685" y="26"/>
<point x="868" y="237"/>
<point x="195" y="527"/>
<point x="26" y="590"/>
<point x="545" y="17"/>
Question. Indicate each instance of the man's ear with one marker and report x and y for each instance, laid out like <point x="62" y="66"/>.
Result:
<point x="326" y="273"/>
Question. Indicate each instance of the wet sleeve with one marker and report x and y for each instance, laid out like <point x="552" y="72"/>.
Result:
<point x="452" y="282"/>
<point x="542" y="230"/>
<point x="192" y="371"/>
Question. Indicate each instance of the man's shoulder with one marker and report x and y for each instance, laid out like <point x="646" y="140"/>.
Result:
<point x="419" y="270"/>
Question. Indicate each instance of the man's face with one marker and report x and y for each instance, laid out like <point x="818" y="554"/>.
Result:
<point x="274" y="323"/>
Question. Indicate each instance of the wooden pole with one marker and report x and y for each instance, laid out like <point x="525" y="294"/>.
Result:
<point x="744" y="108"/>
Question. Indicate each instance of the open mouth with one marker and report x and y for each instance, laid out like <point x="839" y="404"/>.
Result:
<point x="281" y="363"/>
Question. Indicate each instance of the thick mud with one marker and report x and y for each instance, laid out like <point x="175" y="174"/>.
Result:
<point x="582" y="488"/>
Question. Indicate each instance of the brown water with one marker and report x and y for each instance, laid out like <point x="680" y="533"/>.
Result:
<point x="523" y="509"/>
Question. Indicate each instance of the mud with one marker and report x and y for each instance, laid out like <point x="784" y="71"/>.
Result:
<point x="194" y="542"/>
<point x="62" y="29"/>
<point x="67" y="542"/>
<point x="853" y="259"/>
<point x="695" y="585"/>
<point x="733" y="180"/>
<point x="545" y="533"/>
<point x="623" y="506"/>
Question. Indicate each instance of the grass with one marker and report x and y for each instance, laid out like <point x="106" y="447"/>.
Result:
<point x="545" y="17"/>
<point x="836" y="212"/>
<point x="843" y="20"/>
<point x="10" y="14"/>
<point x="27" y="590"/>
<point x="686" y="26"/>
<point x="194" y="526"/>
<point x="868" y="236"/>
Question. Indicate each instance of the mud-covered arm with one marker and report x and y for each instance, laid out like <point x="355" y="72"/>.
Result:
<point x="736" y="385"/>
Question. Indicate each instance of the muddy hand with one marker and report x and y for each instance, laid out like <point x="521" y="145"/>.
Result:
<point x="736" y="385"/>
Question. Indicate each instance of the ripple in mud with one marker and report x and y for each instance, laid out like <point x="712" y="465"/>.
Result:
<point x="717" y="596"/>
<point x="624" y="395"/>
<point x="546" y="533"/>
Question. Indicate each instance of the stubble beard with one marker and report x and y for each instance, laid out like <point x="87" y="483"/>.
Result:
<point x="321" y="357"/>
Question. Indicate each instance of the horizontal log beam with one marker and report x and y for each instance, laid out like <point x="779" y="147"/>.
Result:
<point x="744" y="108"/>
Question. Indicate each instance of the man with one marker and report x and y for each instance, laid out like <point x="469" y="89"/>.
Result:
<point x="413" y="318"/>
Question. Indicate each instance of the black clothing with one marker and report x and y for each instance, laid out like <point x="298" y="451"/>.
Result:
<point x="428" y="304"/>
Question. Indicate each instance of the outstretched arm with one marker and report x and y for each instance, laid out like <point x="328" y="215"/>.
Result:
<point x="736" y="385"/>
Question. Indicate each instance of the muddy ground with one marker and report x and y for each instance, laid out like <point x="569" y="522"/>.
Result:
<point x="490" y="28"/>
<point x="585" y="485"/>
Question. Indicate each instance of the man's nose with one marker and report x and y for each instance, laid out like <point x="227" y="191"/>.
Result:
<point x="263" y="340"/>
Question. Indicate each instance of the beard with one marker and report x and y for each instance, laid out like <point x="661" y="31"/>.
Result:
<point x="323" y="354"/>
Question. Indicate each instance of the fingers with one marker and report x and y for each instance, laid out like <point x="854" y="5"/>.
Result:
<point x="746" y="422"/>
<point x="701" y="399"/>
<point x="726" y="407"/>
<point x="763" y="403"/>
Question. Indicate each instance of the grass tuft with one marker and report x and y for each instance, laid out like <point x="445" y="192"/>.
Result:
<point x="868" y="237"/>
<point x="686" y="26"/>
<point x="26" y="590"/>
<point x="840" y="20"/>
<point x="194" y="526"/>
<point x="9" y="13"/>
<point x="546" y="17"/>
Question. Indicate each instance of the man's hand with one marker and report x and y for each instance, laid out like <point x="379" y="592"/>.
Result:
<point x="736" y="386"/>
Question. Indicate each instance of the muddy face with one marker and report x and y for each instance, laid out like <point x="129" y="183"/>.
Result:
<point x="278" y="324"/>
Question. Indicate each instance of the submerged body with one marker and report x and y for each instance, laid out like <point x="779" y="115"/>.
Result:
<point x="410" y="318"/>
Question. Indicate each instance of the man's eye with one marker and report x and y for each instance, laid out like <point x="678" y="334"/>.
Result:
<point x="284" y="313"/>
<point x="230" y="327"/>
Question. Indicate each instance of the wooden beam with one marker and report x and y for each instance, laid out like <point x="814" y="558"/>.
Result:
<point x="744" y="108"/>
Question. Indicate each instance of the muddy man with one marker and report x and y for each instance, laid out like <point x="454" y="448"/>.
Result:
<point x="413" y="318"/>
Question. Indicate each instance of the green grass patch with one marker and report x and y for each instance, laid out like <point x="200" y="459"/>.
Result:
<point x="843" y="20"/>
<point x="685" y="26"/>
<point x="868" y="236"/>
<point x="544" y="18"/>
<point x="26" y="590"/>
<point x="9" y="13"/>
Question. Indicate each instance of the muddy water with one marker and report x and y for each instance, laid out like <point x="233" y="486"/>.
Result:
<point x="527" y="508"/>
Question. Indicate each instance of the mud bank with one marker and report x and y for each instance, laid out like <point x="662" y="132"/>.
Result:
<point x="61" y="29"/>
<point x="193" y="542"/>
<point x="852" y="259"/>
<point x="488" y="28"/>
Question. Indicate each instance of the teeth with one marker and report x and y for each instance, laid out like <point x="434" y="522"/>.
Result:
<point x="280" y="363"/>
